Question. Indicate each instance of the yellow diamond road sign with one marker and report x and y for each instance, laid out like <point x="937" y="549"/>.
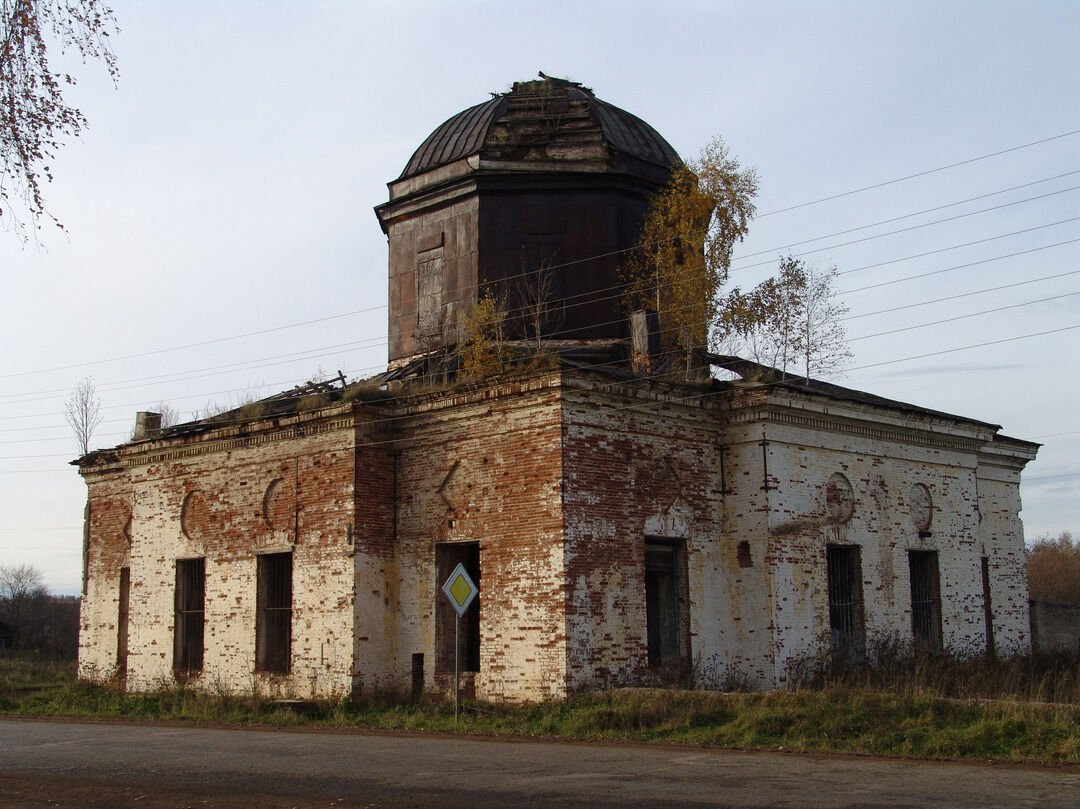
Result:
<point x="460" y="589"/>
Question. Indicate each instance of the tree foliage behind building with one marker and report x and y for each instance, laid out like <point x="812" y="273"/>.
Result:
<point x="1053" y="568"/>
<point x="40" y="621"/>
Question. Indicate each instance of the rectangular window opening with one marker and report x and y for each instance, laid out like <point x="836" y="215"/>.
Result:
<point x="667" y="620"/>
<point x="188" y="624"/>
<point x="273" y="622"/>
<point x="925" y="598"/>
<point x="843" y="570"/>
<point x="448" y="555"/>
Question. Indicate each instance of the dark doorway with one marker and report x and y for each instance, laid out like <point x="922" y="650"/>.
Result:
<point x="448" y="555"/>
<point x="925" y="598"/>
<point x="122" y="624"/>
<point x="988" y="609"/>
<point x="188" y="620"/>
<point x="667" y="625"/>
<point x="273" y="620"/>
<point x="843" y="569"/>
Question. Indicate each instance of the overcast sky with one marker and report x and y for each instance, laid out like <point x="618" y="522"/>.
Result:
<point x="221" y="240"/>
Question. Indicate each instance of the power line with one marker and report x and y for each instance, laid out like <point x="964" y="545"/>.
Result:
<point x="911" y="227"/>
<point x="965" y="348"/>
<point x="917" y="255"/>
<point x="920" y="174"/>
<point x="919" y="213"/>
<point x="960" y="295"/>
<point x="962" y="317"/>
<point x="192" y="345"/>
<point x="947" y="269"/>
<point x="552" y="335"/>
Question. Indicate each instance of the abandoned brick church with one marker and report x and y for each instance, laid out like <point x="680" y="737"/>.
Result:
<point x="624" y="527"/>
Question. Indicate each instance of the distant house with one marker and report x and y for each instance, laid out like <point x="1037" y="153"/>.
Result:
<point x="623" y="527"/>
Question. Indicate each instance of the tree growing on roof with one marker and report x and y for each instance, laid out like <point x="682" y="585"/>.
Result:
<point x="83" y="412"/>
<point x="541" y="314"/>
<point x="685" y="246"/>
<point x="793" y="320"/>
<point x="482" y="347"/>
<point x="34" y="117"/>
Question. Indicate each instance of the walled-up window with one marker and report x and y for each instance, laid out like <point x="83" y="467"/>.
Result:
<point x="667" y="621"/>
<point x="273" y="619"/>
<point x="988" y="610"/>
<point x="843" y="570"/>
<point x="448" y="555"/>
<point x="189" y="599"/>
<point x="925" y="598"/>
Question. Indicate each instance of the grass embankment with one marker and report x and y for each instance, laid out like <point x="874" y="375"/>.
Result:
<point x="1020" y="710"/>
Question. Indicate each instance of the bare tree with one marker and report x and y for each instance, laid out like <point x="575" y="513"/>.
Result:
<point x="20" y="587"/>
<point x="540" y="313"/>
<point x="821" y="340"/>
<point x="83" y="412"/>
<point x="34" y="117"/>
<point x="169" y="414"/>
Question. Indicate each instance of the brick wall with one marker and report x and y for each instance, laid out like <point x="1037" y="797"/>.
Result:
<point x="560" y="478"/>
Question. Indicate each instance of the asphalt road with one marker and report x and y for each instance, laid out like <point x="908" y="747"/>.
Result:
<point x="83" y="764"/>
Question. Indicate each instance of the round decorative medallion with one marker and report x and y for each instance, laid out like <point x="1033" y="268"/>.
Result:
<point x="193" y="515"/>
<point x="922" y="507"/>
<point x="278" y="505"/>
<point x="839" y="499"/>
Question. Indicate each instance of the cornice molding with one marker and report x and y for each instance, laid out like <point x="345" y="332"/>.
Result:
<point x="826" y="423"/>
<point x="167" y="453"/>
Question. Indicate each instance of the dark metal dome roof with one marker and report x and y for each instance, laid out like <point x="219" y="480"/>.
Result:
<point x="467" y="132"/>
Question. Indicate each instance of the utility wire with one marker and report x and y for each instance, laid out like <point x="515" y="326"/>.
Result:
<point x="917" y="213"/>
<point x="954" y="297"/>
<point x="946" y="269"/>
<point x="919" y="174"/>
<point x="914" y="227"/>
<point x="961" y="317"/>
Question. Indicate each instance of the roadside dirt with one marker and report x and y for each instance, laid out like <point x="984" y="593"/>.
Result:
<point x="51" y="791"/>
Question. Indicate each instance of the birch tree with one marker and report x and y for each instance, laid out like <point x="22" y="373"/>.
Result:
<point x="35" y="119"/>
<point x="791" y="322"/>
<point x="83" y="412"/>
<point x="685" y="246"/>
<point x="821" y="340"/>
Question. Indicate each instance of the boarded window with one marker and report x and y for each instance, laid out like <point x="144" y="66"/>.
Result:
<point x="188" y="622"/>
<point x="273" y="621"/>
<point x="843" y="569"/>
<point x="667" y="624"/>
<point x="988" y="610"/>
<point x="429" y="297"/>
<point x="925" y="598"/>
<point x="448" y="555"/>
<point x="122" y="623"/>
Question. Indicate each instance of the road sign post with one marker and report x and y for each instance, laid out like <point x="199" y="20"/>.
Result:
<point x="461" y="591"/>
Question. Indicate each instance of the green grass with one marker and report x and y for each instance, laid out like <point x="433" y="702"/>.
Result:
<point x="842" y="712"/>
